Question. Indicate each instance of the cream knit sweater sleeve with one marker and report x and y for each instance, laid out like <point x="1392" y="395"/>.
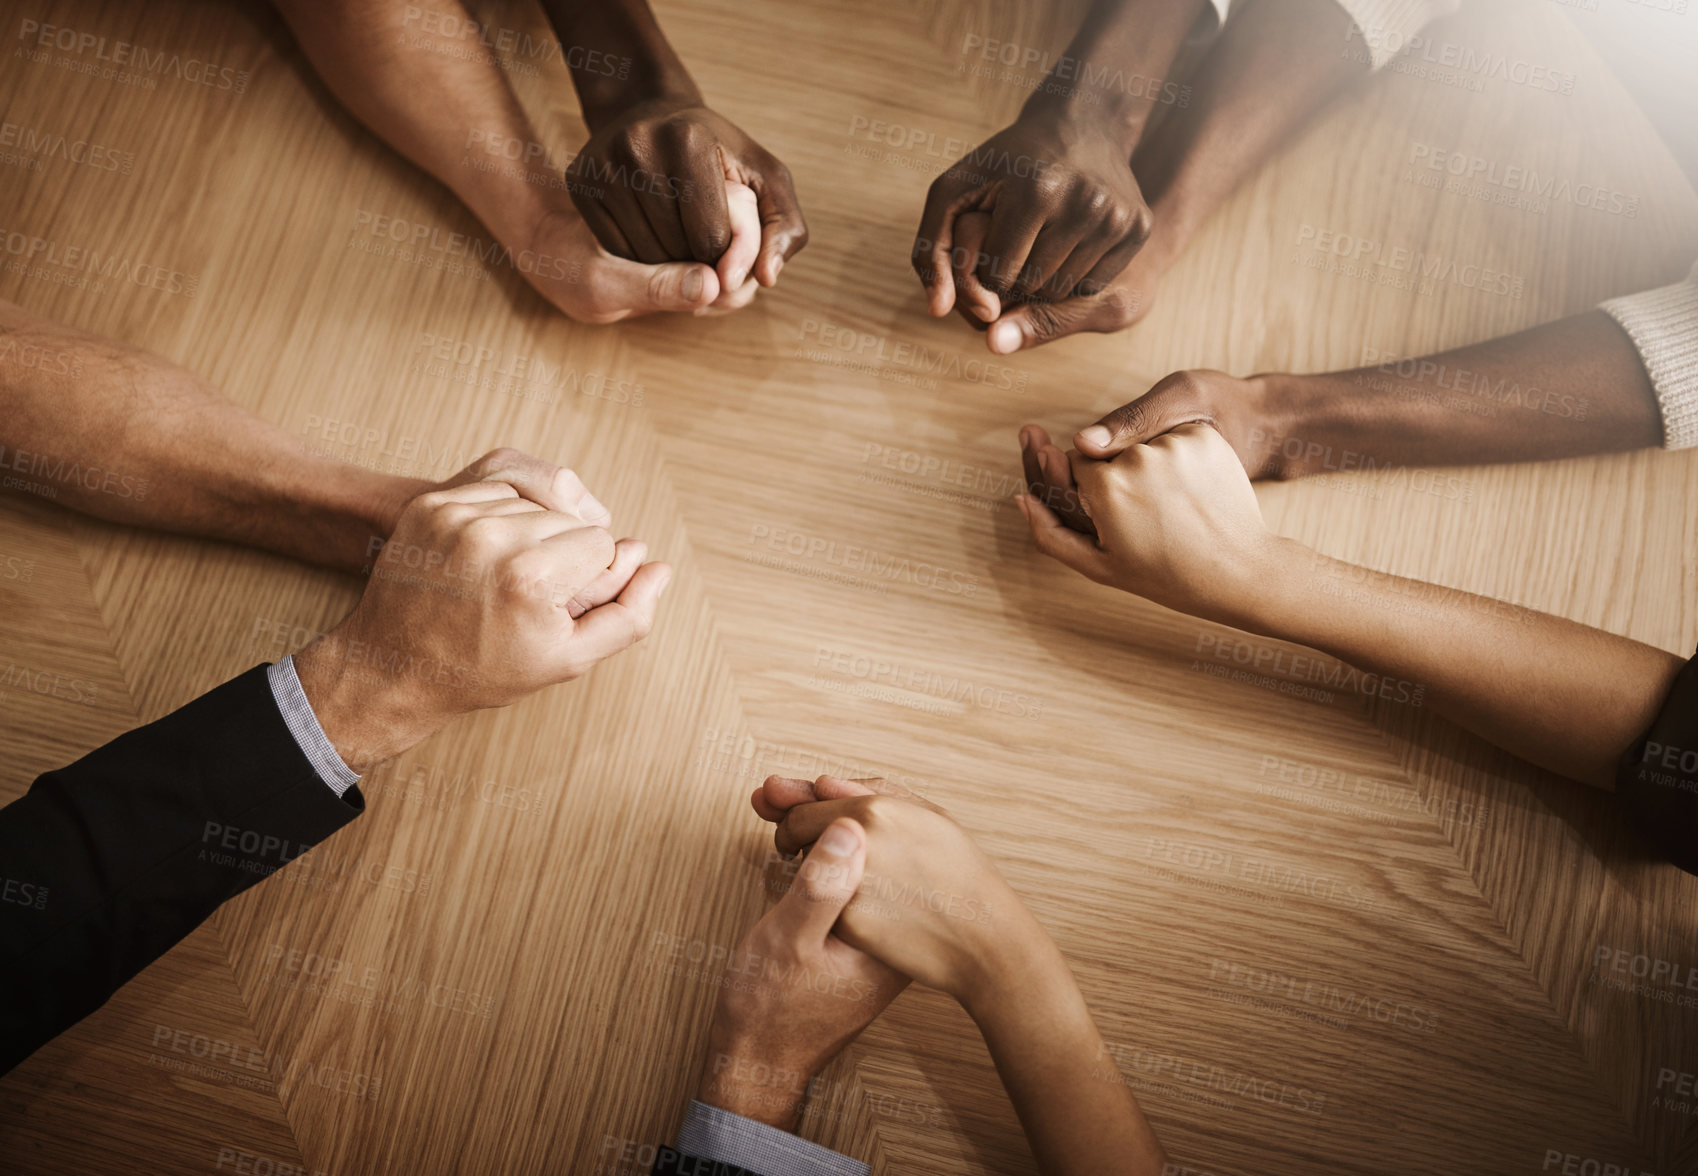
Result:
<point x="1662" y="323"/>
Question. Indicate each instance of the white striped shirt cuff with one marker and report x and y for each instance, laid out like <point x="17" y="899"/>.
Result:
<point x="715" y="1134"/>
<point x="303" y="725"/>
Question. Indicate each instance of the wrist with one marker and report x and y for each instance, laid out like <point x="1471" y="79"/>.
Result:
<point x="1273" y="586"/>
<point x="741" y="1078"/>
<point x="1017" y="961"/>
<point x="605" y="99"/>
<point x="367" y="715"/>
<point x="1067" y="117"/>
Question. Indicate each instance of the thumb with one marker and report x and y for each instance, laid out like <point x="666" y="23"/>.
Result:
<point x="674" y="286"/>
<point x="826" y="882"/>
<point x="1174" y="401"/>
<point x="1032" y="324"/>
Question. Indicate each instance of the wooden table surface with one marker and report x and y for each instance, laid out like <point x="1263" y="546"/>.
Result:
<point x="1320" y="934"/>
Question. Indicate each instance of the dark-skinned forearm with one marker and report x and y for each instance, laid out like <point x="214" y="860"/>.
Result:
<point x="1126" y="39"/>
<point x="627" y="32"/>
<point x="1274" y="66"/>
<point x="1571" y="387"/>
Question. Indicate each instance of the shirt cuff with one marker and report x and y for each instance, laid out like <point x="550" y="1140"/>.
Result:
<point x="716" y="1135"/>
<point x="303" y="725"/>
<point x="1389" y="27"/>
<point x="1663" y="325"/>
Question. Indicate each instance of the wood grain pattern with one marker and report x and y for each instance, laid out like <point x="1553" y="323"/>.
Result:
<point x="521" y="882"/>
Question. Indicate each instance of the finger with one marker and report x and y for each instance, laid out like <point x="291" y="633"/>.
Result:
<point x="466" y="494"/>
<point x="628" y="556"/>
<point x="1065" y="281"/>
<point x="1032" y="439"/>
<point x="728" y="302"/>
<point x="628" y="214"/>
<point x="544" y="483"/>
<point x="1032" y="324"/>
<point x="1055" y="244"/>
<point x="587" y="199"/>
<point x="1056" y="540"/>
<point x="633" y="289"/>
<point x="1012" y="232"/>
<point x="661" y="201"/>
<point x="783" y="230"/>
<point x="698" y="196"/>
<point x="734" y="262"/>
<point x="971" y="294"/>
<point x="777" y="795"/>
<point x="838" y="788"/>
<point x="1174" y="401"/>
<point x="945" y="201"/>
<point x="1107" y="268"/>
<point x="1059" y="490"/>
<point x="618" y="624"/>
<point x="825" y="883"/>
<point x="803" y="824"/>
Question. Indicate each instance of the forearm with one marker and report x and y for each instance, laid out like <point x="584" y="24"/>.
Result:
<point x="1571" y="387"/>
<point x="117" y="433"/>
<point x="1136" y="39"/>
<point x="1561" y="695"/>
<point x="626" y="33"/>
<point x="439" y="100"/>
<point x="1273" y="67"/>
<point x="1078" y="1114"/>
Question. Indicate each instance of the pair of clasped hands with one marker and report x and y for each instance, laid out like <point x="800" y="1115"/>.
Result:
<point x="1026" y="237"/>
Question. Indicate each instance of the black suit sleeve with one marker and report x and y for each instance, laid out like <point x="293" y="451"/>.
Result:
<point x="107" y="863"/>
<point x="1658" y="779"/>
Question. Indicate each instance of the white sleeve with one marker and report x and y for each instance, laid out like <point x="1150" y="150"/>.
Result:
<point x="1386" y="26"/>
<point x="1663" y="325"/>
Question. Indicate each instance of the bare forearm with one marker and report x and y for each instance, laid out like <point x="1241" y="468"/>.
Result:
<point x="1564" y="696"/>
<point x="625" y="34"/>
<point x="1078" y="1114"/>
<point x="1274" y="66"/>
<point x="117" y="433"/>
<point x="1119" y="39"/>
<point x="438" y="99"/>
<point x="1567" y="388"/>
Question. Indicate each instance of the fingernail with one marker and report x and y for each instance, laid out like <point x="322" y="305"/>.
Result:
<point x="838" y="841"/>
<point x="664" y="585"/>
<point x="777" y="265"/>
<point x="985" y="313"/>
<point x="1004" y="338"/>
<point x="1097" y="436"/>
<point x="590" y="508"/>
<point x="693" y="283"/>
